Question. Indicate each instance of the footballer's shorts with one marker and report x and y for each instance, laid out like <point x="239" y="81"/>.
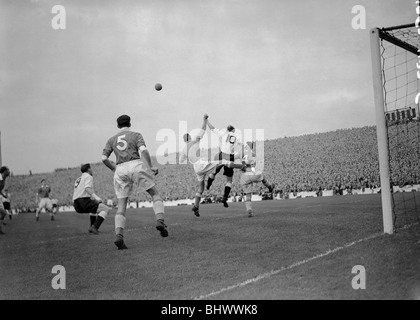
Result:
<point x="85" y="205"/>
<point x="249" y="178"/>
<point x="228" y="172"/>
<point x="45" y="203"/>
<point x="6" y="205"/>
<point x="1" y="205"/>
<point x="131" y="175"/>
<point x="203" y="168"/>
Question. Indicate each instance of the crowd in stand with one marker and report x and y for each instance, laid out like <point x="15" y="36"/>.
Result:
<point x="341" y="160"/>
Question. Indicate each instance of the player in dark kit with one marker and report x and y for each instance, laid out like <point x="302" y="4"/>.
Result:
<point x="5" y="198"/>
<point x="43" y="200"/>
<point x="129" y="171"/>
<point x="86" y="201"/>
<point x="4" y="173"/>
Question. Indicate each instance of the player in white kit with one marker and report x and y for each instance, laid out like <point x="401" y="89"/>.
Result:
<point x="86" y="201"/>
<point x="131" y="170"/>
<point x="252" y="174"/>
<point x="202" y="167"/>
<point x="230" y="146"/>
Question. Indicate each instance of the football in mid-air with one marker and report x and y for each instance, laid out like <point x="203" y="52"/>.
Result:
<point x="158" y="86"/>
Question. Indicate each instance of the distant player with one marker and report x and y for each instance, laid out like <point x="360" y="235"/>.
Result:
<point x="228" y="143"/>
<point x="86" y="201"/>
<point x="202" y="167"/>
<point x="54" y="205"/>
<point x="43" y="200"/>
<point x="131" y="170"/>
<point x="252" y="174"/>
<point x="5" y="199"/>
<point x="4" y="173"/>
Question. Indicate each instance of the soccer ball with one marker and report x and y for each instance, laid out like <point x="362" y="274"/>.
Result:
<point x="158" y="86"/>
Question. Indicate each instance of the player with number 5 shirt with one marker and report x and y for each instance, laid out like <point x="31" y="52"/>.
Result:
<point x="130" y="170"/>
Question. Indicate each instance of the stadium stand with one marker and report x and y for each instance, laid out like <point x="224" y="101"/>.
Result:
<point x="339" y="162"/>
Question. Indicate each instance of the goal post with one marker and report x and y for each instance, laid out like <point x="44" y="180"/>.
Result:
<point x="381" y="132"/>
<point x="395" y="86"/>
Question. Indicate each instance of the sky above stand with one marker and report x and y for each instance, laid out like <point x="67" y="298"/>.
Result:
<point x="286" y="67"/>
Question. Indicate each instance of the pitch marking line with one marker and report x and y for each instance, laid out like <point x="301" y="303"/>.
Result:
<point x="294" y="265"/>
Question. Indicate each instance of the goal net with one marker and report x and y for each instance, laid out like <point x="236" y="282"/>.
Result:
<point x="395" y="62"/>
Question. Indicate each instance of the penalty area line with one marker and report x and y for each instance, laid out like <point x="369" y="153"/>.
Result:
<point x="298" y="263"/>
<point x="285" y="268"/>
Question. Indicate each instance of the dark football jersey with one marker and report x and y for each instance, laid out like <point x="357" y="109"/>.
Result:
<point x="125" y="144"/>
<point x="44" y="191"/>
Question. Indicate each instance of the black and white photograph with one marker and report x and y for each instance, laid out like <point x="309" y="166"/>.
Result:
<point x="208" y="156"/>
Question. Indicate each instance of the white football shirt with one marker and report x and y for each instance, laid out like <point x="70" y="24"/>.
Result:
<point x="83" y="182"/>
<point x="228" y="140"/>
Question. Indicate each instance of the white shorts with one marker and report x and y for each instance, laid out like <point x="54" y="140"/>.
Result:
<point x="45" y="203"/>
<point x="129" y="175"/>
<point x="249" y="178"/>
<point x="203" y="168"/>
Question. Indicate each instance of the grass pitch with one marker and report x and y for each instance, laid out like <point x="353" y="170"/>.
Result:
<point x="290" y="249"/>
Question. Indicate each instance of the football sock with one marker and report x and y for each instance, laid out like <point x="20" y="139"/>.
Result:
<point x="266" y="184"/>
<point x="158" y="208"/>
<point x="197" y="199"/>
<point x="227" y="190"/>
<point x="103" y="214"/>
<point x="98" y="222"/>
<point x="92" y="217"/>
<point x="248" y="206"/>
<point x="119" y="224"/>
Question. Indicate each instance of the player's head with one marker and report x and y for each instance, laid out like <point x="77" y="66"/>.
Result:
<point x="231" y="128"/>
<point x="187" y="137"/>
<point x="85" y="167"/>
<point x="124" y="121"/>
<point x="43" y="181"/>
<point x="5" y="171"/>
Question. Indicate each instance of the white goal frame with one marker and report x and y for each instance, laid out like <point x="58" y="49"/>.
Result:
<point x="376" y="35"/>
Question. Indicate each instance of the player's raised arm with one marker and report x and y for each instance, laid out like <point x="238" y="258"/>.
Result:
<point x="211" y="127"/>
<point x="203" y="128"/>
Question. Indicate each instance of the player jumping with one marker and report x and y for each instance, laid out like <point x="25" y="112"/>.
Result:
<point x="228" y="143"/>
<point x="201" y="166"/>
<point x="86" y="201"/>
<point x="131" y="170"/>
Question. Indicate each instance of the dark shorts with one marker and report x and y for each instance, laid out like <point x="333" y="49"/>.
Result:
<point x="85" y="205"/>
<point x="228" y="172"/>
<point x="6" y="205"/>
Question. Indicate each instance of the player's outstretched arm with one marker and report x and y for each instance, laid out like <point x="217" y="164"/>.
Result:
<point x="211" y="127"/>
<point x="203" y="128"/>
